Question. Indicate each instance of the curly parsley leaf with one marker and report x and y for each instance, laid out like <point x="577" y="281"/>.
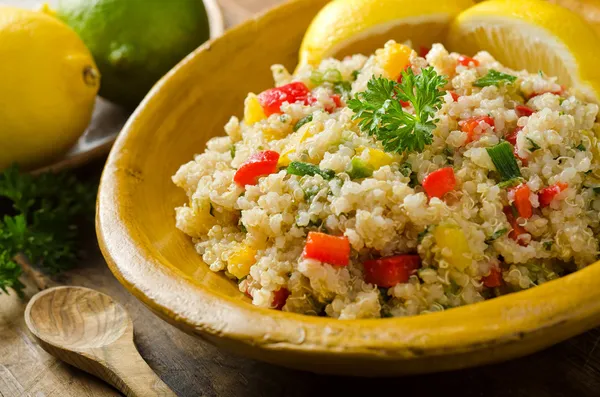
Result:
<point x="41" y="222"/>
<point x="380" y="112"/>
<point x="494" y="77"/>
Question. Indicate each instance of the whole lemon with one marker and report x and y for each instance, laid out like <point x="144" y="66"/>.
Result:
<point x="48" y="85"/>
<point x="135" y="42"/>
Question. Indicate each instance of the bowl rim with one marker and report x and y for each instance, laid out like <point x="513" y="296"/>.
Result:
<point x="475" y="327"/>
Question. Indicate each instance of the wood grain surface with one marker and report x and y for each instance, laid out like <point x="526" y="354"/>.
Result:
<point x="92" y="332"/>
<point x="194" y="368"/>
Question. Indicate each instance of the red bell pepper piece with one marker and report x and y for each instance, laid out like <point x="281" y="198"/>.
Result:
<point x="467" y="61"/>
<point x="389" y="271"/>
<point x="439" y="182"/>
<point x="469" y="125"/>
<point x="259" y="164"/>
<point x="523" y="110"/>
<point x="326" y="248"/>
<point x="279" y="298"/>
<point x="547" y="194"/>
<point x="517" y="230"/>
<point x="512" y="137"/>
<point x="494" y="279"/>
<point x="454" y="95"/>
<point x="272" y="99"/>
<point x="423" y="51"/>
<point x="522" y="203"/>
<point x="557" y="92"/>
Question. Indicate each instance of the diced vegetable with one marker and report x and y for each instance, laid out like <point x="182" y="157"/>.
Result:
<point x="512" y="136"/>
<point x="557" y="92"/>
<point x="439" y="182"/>
<point x="469" y="125"/>
<point x="517" y="230"/>
<point x="240" y="260"/>
<point x="323" y="247"/>
<point x="253" y="111"/>
<point x="524" y="111"/>
<point x="468" y="61"/>
<point x="272" y="99"/>
<point x="547" y="194"/>
<point x="301" y="169"/>
<point x="494" y="279"/>
<point x="259" y="164"/>
<point x="494" y="77"/>
<point x="454" y="245"/>
<point x="454" y="95"/>
<point x="503" y="158"/>
<point x="378" y="158"/>
<point x="423" y="51"/>
<point x="358" y="169"/>
<point x="393" y="59"/>
<point x="389" y="271"/>
<point x="522" y="203"/>
<point x="302" y="121"/>
<point x="279" y="298"/>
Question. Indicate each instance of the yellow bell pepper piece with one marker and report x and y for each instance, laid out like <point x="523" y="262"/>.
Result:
<point x="240" y="260"/>
<point x="378" y="158"/>
<point x="393" y="58"/>
<point x="253" y="111"/>
<point x="454" y="246"/>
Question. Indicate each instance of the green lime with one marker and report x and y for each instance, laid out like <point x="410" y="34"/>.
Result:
<point x="135" y="42"/>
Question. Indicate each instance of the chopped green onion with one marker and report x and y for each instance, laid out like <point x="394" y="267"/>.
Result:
<point x="494" y="77"/>
<point x="316" y="77"/>
<point x="541" y="73"/>
<point x="358" y="169"/>
<point x="534" y="145"/>
<point x="302" y="121"/>
<point x="302" y="169"/>
<point x="232" y="151"/>
<point x="548" y="244"/>
<point x="332" y="75"/>
<point x="496" y="235"/>
<point x="355" y="74"/>
<point x="503" y="158"/>
<point x="581" y="147"/>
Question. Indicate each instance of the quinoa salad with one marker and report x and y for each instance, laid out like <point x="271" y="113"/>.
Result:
<point x="401" y="183"/>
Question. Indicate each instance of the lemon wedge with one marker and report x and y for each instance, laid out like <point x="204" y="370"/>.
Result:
<point x="347" y="27"/>
<point x="588" y="9"/>
<point x="533" y="35"/>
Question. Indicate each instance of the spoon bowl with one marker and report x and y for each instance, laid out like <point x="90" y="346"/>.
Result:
<point x="101" y="320"/>
<point x="91" y="331"/>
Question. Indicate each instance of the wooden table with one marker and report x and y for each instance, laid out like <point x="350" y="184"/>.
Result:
<point x="194" y="368"/>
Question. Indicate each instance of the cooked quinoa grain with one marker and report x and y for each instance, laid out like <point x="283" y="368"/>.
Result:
<point x="308" y="213"/>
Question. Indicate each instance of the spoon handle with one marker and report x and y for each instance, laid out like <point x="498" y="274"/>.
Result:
<point x="129" y="373"/>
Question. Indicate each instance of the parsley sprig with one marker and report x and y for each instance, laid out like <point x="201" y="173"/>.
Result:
<point x="40" y="221"/>
<point x="380" y="112"/>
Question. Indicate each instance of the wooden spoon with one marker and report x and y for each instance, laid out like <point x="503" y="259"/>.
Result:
<point x="91" y="331"/>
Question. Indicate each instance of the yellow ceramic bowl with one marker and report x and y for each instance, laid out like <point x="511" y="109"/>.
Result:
<point x="158" y="264"/>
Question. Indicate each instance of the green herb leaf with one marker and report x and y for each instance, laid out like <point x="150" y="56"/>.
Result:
<point x="332" y="75"/>
<point x="496" y="235"/>
<point x="581" y="147"/>
<point x="503" y="158"/>
<point x="232" y="151"/>
<point x="534" y="145"/>
<point x="380" y="113"/>
<point x="355" y="74"/>
<point x="548" y="245"/>
<point x="302" y="121"/>
<point x="44" y="222"/>
<point x="494" y="77"/>
<point x="302" y="169"/>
